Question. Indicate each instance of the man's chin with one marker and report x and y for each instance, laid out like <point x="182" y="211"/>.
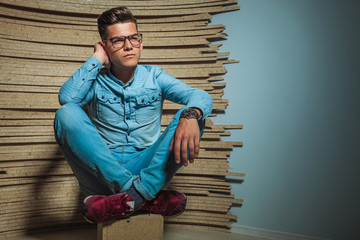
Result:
<point x="125" y="65"/>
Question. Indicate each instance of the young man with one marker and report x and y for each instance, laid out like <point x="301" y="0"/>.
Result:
<point x="116" y="152"/>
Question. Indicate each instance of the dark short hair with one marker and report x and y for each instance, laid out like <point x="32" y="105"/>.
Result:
<point x="113" y="16"/>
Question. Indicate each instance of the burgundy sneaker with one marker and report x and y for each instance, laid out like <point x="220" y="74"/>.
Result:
<point x="167" y="203"/>
<point x="100" y="208"/>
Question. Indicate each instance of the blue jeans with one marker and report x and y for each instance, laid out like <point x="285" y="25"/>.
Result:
<point x="104" y="171"/>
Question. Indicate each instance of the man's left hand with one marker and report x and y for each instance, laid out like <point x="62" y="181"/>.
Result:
<point x="186" y="137"/>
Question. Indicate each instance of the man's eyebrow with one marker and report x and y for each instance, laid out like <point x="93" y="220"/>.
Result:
<point x="116" y="37"/>
<point x="122" y="36"/>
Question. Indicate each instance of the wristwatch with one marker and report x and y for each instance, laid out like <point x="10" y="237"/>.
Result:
<point x="189" y="113"/>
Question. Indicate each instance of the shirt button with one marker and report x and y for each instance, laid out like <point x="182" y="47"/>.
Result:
<point x="142" y="101"/>
<point x="93" y="64"/>
<point x="127" y="118"/>
<point x="114" y="98"/>
<point x="102" y="97"/>
<point x="127" y="101"/>
<point x="128" y="133"/>
<point x="83" y="79"/>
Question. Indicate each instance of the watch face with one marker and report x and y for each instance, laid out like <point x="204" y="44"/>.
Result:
<point x="189" y="113"/>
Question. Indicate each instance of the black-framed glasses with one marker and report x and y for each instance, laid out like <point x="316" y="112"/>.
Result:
<point x="119" y="41"/>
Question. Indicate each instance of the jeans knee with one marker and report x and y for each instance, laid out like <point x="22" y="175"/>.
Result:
<point x="67" y="117"/>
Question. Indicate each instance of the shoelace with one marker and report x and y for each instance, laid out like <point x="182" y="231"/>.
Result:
<point x="116" y="207"/>
<point x="155" y="206"/>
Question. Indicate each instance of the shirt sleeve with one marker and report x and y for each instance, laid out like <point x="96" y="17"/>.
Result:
<point x="176" y="91"/>
<point x="77" y="89"/>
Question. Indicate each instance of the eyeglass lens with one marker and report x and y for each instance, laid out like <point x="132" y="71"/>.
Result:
<point x="119" y="42"/>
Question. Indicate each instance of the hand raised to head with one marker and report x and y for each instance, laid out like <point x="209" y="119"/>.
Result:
<point x="101" y="54"/>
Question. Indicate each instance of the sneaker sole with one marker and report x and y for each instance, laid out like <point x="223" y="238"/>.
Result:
<point x="86" y="219"/>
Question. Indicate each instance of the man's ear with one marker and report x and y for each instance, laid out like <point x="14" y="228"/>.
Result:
<point x="104" y="47"/>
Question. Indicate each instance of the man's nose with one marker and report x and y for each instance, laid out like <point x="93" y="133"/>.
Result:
<point x="127" y="44"/>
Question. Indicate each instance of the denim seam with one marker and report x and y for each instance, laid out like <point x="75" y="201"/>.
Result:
<point x="131" y="160"/>
<point x="167" y="131"/>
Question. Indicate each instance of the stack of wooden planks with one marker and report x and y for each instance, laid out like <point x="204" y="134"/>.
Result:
<point x="42" y="42"/>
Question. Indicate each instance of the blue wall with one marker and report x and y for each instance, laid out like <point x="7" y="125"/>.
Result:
<point x="296" y="90"/>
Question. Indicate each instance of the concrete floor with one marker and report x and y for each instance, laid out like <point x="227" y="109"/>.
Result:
<point x="171" y="233"/>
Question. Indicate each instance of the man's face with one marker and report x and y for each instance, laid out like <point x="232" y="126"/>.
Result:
<point x="128" y="56"/>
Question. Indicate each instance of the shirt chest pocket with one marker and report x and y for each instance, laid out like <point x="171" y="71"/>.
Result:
<point x="109" y="108"/>
<point x="148" y="107"/>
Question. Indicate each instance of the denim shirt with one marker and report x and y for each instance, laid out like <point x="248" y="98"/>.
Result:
<point x="129" y="115"/>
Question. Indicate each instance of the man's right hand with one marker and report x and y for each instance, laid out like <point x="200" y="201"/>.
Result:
<point x="101" y="54"/>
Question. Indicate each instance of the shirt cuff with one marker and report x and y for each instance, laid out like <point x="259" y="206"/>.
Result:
<point x="92" y="65"/>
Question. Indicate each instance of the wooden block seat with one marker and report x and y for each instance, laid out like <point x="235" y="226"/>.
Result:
<point x="141" y="226"/>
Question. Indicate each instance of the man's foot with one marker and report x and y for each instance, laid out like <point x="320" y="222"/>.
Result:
<point x="167" y="203"/>
<point x="100" y="208"/>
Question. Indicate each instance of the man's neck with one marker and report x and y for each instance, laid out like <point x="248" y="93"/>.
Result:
<point x="123" y="74"/>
